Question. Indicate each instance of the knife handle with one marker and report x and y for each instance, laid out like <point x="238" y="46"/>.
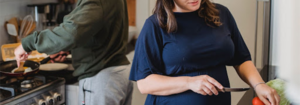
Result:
<point x="220" y="90"/>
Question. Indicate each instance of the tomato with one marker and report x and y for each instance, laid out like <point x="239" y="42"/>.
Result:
<point x="257" y="101"/>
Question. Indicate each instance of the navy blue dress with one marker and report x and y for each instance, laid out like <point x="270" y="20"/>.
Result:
<point x="194" y="49"/>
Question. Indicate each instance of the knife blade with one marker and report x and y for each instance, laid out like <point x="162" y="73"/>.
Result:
<point x="226" y="89"/>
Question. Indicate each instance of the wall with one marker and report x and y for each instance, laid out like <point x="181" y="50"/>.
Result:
<point x="13" y="8"/>
<point x="142" y="13"/>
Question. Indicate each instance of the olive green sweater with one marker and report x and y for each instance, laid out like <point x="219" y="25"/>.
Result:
<point x="95" y="31"/>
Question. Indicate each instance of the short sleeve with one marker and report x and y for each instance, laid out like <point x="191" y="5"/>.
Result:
<point x="241" y="52"/>
<point x="148" y="52"/>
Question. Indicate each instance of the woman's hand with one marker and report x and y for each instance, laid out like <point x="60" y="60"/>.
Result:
<point x="267" y="95"/>
<point x="59" y="57"/>
<point x="204" y="85"/>
<point x="21" y="54"/>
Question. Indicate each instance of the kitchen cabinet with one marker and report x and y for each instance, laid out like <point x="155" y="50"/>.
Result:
<point x="131" y="8"/>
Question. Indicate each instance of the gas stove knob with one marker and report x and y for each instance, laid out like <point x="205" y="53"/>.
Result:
<point x="57" y="97"/>
<point x="41" y="102"/>
<point x="50" y="100"/>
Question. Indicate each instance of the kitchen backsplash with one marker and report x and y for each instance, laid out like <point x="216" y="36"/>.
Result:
<point x="14" y="8"/>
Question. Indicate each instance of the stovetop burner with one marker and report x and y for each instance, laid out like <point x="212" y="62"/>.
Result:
<point x="13" y="86"/>
<point x="28" y="84"/>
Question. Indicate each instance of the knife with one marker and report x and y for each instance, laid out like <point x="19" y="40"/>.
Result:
<point x="226" y="89"/>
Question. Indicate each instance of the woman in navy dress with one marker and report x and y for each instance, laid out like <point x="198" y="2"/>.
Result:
<point x="182" y="51"/>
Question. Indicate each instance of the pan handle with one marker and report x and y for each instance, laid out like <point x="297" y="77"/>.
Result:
<point x="45" y="60"/>
<point x="48" y="58"/>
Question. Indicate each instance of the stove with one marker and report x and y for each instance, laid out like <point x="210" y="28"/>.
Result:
<point x="32" y="90"/>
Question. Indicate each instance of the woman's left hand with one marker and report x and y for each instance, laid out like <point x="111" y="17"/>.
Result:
<point x="267" y="95"/>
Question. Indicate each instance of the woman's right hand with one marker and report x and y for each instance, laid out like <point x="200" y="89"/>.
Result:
<point x="204" y="85"/>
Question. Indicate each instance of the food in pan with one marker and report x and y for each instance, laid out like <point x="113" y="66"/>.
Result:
<point x="26" y="69"/>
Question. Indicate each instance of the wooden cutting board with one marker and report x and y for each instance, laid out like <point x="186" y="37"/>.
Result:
<point x="9" y="49"/>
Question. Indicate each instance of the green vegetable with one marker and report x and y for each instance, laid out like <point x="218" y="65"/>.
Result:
<point x="278" y="85"/>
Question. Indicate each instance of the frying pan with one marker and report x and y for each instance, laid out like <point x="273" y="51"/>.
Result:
<point x="8" y="66"/>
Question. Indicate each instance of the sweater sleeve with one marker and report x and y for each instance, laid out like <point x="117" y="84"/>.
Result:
<point x="241" y="51"/>
<point x="77" y="28"/>
<point x="148" y="53"/>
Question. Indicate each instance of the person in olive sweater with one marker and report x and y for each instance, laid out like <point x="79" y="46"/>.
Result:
<point x="96" y="33"/>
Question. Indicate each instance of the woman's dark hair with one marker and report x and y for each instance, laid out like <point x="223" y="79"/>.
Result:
<point x="164" y="14"/>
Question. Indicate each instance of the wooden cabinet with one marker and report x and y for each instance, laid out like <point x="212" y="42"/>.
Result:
<point x="131" y="6"/>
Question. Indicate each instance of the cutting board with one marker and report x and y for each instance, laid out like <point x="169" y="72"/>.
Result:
<point x="9" y="49"/>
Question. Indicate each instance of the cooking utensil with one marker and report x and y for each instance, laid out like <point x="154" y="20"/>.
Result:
<point x="7" y="66"/>
<point x="30" y="29"/>
<point x="20" y="68"/>
<point x="14" y="21"/>
<point x="53" y="66"/>
<point x="30" y="26"/>
<point x="44" y="61"/>
<point x="11" y="29"/>
<point x="25" y="26"/>
<point x="226" y="89"/>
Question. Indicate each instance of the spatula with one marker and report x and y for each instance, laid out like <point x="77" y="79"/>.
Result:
<point x="11" y="29"/>
<point x="20" y="68"/>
